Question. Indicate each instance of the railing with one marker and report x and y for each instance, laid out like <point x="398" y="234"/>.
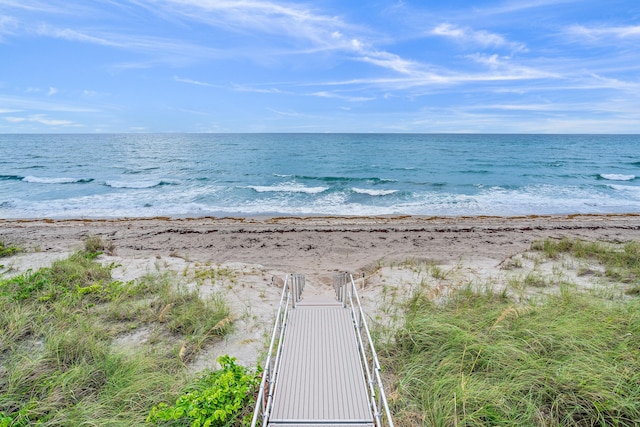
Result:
<point x="291" y="292"/>
<point x="347" y="294"/>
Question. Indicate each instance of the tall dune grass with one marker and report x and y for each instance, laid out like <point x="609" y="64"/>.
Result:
<point x="479" y="359"/>
<point x="59" y="361"/>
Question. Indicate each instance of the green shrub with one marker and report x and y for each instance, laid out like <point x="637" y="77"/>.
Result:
<point x="219" y="399"/>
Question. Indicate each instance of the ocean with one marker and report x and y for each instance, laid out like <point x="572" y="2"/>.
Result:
<point x="194" y="175"/>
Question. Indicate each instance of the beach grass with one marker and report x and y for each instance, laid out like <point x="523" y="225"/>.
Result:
<point x="479" y="358"/>
<point x="79" y="348"/>
<point x="7" y="250"/>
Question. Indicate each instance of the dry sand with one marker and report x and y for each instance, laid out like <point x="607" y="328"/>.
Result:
<point x="394" y="254"/>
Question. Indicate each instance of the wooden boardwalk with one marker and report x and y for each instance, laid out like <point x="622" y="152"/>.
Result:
<point x="321" y="380"/>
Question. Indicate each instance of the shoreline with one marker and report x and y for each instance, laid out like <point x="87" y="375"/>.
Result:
<point x="268" y="217"/>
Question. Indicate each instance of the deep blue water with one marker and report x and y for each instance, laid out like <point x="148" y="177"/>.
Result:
<point x="132" y="175"/>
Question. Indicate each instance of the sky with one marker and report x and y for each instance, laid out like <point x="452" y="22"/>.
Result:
<point x="483" y="66"/>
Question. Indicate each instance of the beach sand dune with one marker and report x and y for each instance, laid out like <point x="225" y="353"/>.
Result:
<point x="260" y="250"/>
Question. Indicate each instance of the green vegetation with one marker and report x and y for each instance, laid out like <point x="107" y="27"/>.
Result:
<point x="6" y="251"/>
<point x="621" y="263"/>
<point x="62" y="357"/>
<point x="218" y="399"/>
<point x="95" y="244"/>
<point x="569" y="358"/>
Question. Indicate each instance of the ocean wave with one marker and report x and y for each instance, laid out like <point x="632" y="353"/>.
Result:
<point x="616" y="177"/>
<point x="41" y="180"/>
<point x="288" y="188"/>
<point x="137" y="185"/>
<point x="11" y="178"/>
<point x="628" y="188"/>
<point x="373" y="192"/>
<point x="372" y="180"/>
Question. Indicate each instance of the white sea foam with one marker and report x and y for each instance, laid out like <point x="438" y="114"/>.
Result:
<point x="288" y="188"/>
<point x="373" y="192"/>
<point x="628" y="188"/>
<point x="43" y="180"/>
<point x="135" y="184"/>
<point x="617" y="177"/>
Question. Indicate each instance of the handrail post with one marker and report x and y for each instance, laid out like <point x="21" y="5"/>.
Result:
<point x="345" y="293"/>
<point x="293" y="294"/>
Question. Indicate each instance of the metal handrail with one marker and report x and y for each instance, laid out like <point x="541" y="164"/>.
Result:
<point x="346" y="291"/>
<point x="291" y="294"/>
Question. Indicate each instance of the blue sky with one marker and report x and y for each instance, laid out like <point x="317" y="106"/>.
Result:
<point x="530" y="66"/>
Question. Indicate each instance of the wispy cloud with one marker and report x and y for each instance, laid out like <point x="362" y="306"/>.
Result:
<point x="32" y="6"/>
<point x="252" y="89"/>
<point x="514" y="6"/>
<point x="41" y="119"/>
<point x="325" y="94"/>
<point x="269" y="17"/>
<point x="164" y="50"/>
<point x="23" y="103"/>
<point x="8" y="26"/>
<point x="192" y="82"/>
<point x="475" y="38"/>
<point x="620" y="32"/>
<point x="296" y="23"/>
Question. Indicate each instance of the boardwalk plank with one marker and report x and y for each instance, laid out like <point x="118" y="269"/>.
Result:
<point x="321" y="378"/>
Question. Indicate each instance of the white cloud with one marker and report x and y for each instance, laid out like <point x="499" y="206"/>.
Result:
<point x="505" y="69"/>
<point x="34" y="104"/>
<point x="191" y="82"/>
<point x="269" y="17"/>
<point x="52" y="91"/>
<point x="41" y="119"/>
<point x="33" y="6"/>
<point x="391" y="61"/>
<point x="8" y="25"/>
<point x="620" y="32"/>
<point x="166" y="50"/>
<point x="325" y="94"/>
<point x="477" y="38"/>
<point x="246" y="88"/>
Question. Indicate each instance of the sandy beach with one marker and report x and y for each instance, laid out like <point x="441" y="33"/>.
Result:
<point x="317" y="246"/>
<point x="386" y="250"/>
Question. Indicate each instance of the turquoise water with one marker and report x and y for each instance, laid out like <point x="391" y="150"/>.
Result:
<point x="131" y="175"/>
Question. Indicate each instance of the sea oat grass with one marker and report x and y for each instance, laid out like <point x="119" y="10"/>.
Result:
<point x="59" y="365"/>
<point x="621" y="262"/>
<point x="478" y="359"/>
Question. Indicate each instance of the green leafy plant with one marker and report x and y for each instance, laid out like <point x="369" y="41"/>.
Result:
<point x="5" y="420"/>
<point x="219" y="399"/>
